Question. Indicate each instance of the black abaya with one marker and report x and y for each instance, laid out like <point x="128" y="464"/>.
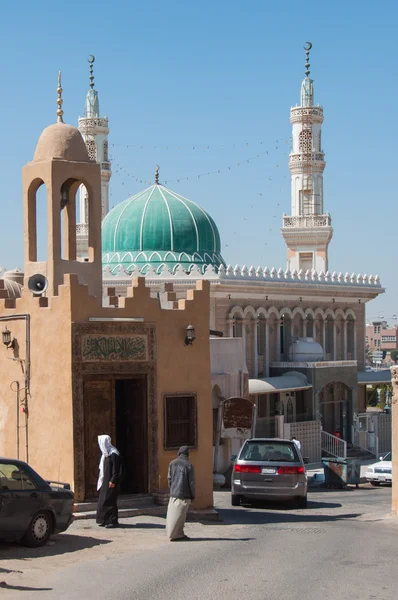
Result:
<point x="107" y="502"/>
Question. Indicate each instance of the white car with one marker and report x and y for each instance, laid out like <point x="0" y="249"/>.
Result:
<point x="380" y="472"/>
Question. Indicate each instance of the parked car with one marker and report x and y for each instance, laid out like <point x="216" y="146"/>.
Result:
<point x="380" y="472"/>
<point x="31" y="509"/>
<point x="269" y="469"/>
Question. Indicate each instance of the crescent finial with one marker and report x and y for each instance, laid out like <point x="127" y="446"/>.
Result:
<point x="307" y="46"/>
<point x="91" y="59"/>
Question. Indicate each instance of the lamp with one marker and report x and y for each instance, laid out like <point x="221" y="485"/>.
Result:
<point x="190" y="335"/>
<point x="7" y="340"/>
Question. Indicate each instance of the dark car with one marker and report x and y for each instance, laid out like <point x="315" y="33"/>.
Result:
<point x="31" y="509"/>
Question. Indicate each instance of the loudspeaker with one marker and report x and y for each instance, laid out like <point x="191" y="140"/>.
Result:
<point x="37" y="284"/>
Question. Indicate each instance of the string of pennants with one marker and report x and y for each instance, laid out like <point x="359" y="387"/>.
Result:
<point x="198" y="147"/>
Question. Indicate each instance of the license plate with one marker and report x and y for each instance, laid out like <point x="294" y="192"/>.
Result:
<point x="267" y="470"/>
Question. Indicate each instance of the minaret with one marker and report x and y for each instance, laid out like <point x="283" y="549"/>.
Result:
<point x="94" y="130"/>
<point x="307" y="231"/>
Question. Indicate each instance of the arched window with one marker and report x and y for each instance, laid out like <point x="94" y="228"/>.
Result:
<point x="305" y="141"/>
<point x="91" y="149"/>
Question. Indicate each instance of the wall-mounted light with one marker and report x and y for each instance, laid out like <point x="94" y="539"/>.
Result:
<point x="7" y="338"/>
<point x="190" y="335"/>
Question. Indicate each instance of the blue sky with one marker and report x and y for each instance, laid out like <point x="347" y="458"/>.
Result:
<point x="200" y="87"/>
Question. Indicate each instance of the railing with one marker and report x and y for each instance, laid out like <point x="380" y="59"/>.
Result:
<point x="333" y="445"/>
<point x="82" y="229"/>
<point x="306" y="156"/>
<point x="307" y="221"/>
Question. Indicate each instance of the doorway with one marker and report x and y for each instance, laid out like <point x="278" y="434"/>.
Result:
<point x="132" y="433"/>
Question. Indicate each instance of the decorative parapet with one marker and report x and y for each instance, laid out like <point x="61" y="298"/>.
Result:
<point x="304" y="157"/>
<point x="237" y="273"/>
<point x="82" y="229"/>
<point x="300" y="113"/>
<point x="307" y="221"/>
<point x="88" y="124"/>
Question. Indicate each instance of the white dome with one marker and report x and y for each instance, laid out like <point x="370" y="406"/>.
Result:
<point x="305" y="350"/>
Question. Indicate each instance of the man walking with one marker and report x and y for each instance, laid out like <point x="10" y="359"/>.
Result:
<point x="181" y="479"/>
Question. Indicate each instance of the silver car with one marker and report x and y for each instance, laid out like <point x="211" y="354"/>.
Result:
<point x="269" y="469"/>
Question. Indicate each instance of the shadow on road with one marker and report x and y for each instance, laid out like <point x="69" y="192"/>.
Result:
<point x="245" y="516"/>
<point x="22" y="588"/>
<point x="64" y="543"/>
<point x="216" y="539"/>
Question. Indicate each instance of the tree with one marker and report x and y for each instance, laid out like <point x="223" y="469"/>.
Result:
<point x="394" y="355"/>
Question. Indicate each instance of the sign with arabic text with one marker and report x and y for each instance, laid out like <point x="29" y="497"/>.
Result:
<point x="114" y="347"/>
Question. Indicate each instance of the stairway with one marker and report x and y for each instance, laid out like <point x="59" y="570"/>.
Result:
<point x="128" y="505"/>
<point x="359" y="453"/>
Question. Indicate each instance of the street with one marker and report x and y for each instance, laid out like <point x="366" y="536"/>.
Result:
<point x="342" y="547"/>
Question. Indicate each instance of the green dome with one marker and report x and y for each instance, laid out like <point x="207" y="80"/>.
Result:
<point x="159" y="228"/>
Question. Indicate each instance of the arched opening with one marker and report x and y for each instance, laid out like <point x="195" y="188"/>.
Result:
<point x="329" y="342"/>
<point x="286" y="335"/>
<point x="310" y="327"/>
<point x="68" y="219"/>
<point x="261" y="349"/>
<point x="40" y="224"/>
<point x="350" y="337"/>
<point x="336" y="408"/>
<point x="237" y="327"/>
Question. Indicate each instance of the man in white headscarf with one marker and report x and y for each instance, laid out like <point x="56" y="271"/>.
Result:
<point x="110" y="477"/>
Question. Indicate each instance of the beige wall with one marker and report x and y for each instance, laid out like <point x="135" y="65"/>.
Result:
<point x="180" y="369"/>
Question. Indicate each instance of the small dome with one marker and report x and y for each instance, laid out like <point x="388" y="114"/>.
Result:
<point x="61" y="141"/>
<point x="305" y="350"/>
<point x="158" y="228"/>
<point x="13" y="282"/>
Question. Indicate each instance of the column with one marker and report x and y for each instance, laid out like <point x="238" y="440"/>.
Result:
<point x="305" y="328"/>
<point x="355" y="340"/>
<point x="244" y="325"/>
<point x="278" y="339"/>
<point x="266" y="370"/>
<point x="255" y="345"/>
<point x="324" y="325"/>
<point x="345" y="325"/>
<point x="231" y="327"/>
<point x="394" y="437"/>
<point x="334" y="355"/>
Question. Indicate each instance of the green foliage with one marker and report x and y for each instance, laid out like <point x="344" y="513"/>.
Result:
<point x="394" y="355"/>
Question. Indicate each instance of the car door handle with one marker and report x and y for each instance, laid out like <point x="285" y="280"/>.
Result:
<point x="34" y="495"/>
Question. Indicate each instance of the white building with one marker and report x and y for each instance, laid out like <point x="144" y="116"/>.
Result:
<point x="95" y="131"/>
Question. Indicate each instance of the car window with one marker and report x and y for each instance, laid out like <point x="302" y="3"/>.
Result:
<point x="269" y="451"/>
<point x="27" y="482"/>
<point x="10" y="478"/>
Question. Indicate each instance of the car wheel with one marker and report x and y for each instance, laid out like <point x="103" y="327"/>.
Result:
<point x="302" y="502"/>
<point x="375" y="483"/>
<point x="39" y="530"/>
<point x="236" y="500"/>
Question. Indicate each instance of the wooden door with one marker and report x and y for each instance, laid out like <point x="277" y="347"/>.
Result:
<point x="99" y="419"/>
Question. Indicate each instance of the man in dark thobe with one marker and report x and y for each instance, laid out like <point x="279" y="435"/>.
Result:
<point x="181" y="479"/>
<point x="110" y="477"/>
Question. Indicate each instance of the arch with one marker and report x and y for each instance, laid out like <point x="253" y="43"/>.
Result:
<point x="236" y="310"/>
<point x="160" y="268"/>
<point x="319" y="312"/>
<point x="261" y="312"/>
<point x="249" y="310"/>
<point x="141" y="256"/>
<point x="155" y="256"/>
<point x="207" y="258"/>
<point x="197" y="257"/>
<point x="170" y="256"/>
<point x="330" y="313"/>
<point x="184" y="257"/>
<point x="115" y="256"/>
<point x="298" y="311"/>
<point x="340" y="312"/>
<point x="309" y="312"/>
<point x="127" y="256"/>
<point x="285" y="311"/>
<point x="351" y="313"/>
<point x="273" y="311"/>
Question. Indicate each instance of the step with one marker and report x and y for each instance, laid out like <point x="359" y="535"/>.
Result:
<point x="209" y="514"/>
<point x="150" y="509"/>
<point x="124" y="501"/>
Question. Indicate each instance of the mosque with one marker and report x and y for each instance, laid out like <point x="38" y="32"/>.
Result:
<point x="278" y="352"/>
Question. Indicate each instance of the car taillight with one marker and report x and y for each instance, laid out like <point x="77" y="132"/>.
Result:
<point x="291" y="470"/>
<point x="247" y="469"/>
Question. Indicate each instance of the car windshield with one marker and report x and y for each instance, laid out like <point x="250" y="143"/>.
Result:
<point x="269" y="452"/>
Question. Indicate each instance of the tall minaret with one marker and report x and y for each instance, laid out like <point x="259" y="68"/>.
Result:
<point x="94" y="130"/>
<point x="307" y="231"/>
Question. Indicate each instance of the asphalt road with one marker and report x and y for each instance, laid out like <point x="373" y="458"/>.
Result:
<point x="342" y="547"/>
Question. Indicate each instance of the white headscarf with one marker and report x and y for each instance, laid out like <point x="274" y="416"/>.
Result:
<point x="104" y="442"/>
